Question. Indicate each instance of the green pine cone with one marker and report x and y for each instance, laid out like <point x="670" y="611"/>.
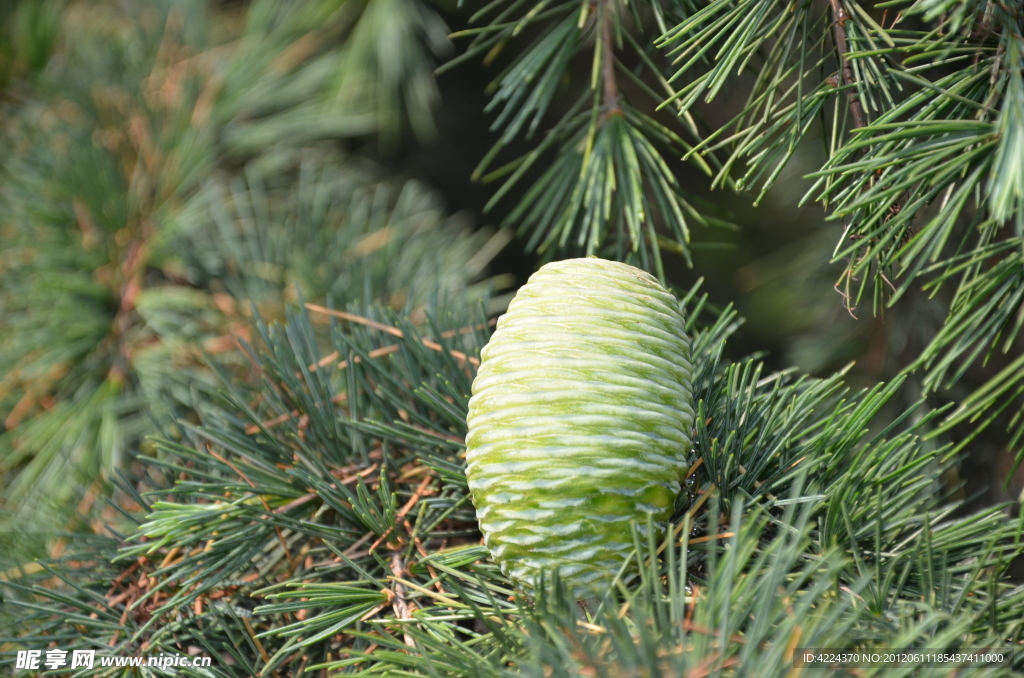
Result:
<point x="580" y="420"/>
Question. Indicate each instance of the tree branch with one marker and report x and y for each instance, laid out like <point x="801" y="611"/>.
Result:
<point x="611" y="85"/>
<point x="839" y="18"/>
<point x="399" y="604"/>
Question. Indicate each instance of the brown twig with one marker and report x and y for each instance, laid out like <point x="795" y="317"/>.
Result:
<point x="270" y="423"/>
<point x="693" y="469"/>
<point x="423" y="552"/>
<point x="375" y="610"/>
<point x="447" y="334"/>
<point x="433" y="345"/>
<point x="442" y="436"/>
<point x="345" y="480"/>
<point x="355" y="546"/>
<point x="351" y="317"/>
<point x="420" y="491"/>
<point x="296" y="502"/>
<point x="839" y="19"/>
<point x="398" y="601"/>
<point x="459" y="355"/>
<point x="259" y="646"/>
<point x="710" y="537"/>
<point x="375" y="353"/>
<point x="610" y="84"/>
<point x="171" y="555"/>
<point x="280" y="419"/>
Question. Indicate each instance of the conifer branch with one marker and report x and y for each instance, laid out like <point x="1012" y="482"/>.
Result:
<point x="802" y="525"/>
<point x="839" y="19"/>
<point x="608" y="188"/>
<point x="610" y="84"/>
<point x="100" y="333"/>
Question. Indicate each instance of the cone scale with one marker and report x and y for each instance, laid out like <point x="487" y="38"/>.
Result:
<point x="580" y="421"/>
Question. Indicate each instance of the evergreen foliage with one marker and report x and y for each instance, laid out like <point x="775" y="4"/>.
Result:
<point x="133" y="240"/>
<point x="179" y="175"/>
<point x="608" y="183"/>
<point x="919" y="108"/>
<point x="925" y="163"/>
<point x="327" y="524"/>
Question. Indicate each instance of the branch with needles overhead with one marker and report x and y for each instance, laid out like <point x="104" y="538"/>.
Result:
<point x="839" y="19"/>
